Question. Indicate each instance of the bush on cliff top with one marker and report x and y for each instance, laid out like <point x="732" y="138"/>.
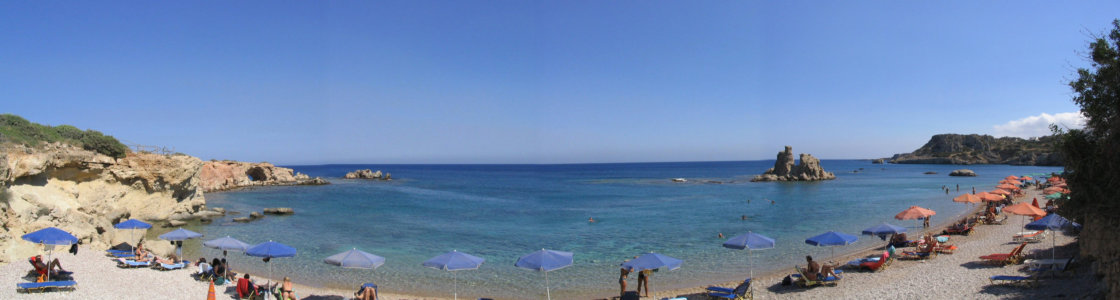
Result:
<point x="16" y="129"/>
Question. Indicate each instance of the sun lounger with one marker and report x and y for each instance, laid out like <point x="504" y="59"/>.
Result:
<point x="43" y="286"/>
<point x="804" y="281"/>
<point x="1006" y="258"/>
<point x="878" y="264"/>
<point x="917" y="255"/>
<point x="167" y="267"/>
<point x="120" y="253"/>
<point x="128" y="263"/>
<point x="740" y="292"/>
<point x="1031" y="237"/>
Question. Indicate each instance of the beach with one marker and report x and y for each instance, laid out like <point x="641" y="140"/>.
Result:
<point x="958" y="275"/>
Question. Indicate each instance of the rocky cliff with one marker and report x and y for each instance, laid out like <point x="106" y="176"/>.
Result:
<point x="368" y="174"/>
<point x="85" y="193"/>
<point x="961" y="149"/>
<point x="785" y="170"/>
<point x="225" y="175"/>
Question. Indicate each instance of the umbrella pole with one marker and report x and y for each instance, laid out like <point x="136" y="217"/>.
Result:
<point x="50" y="253"/>
<point x="546" y="288"/>
<point x="455" y="280"/>
<point x="750" y="264"/>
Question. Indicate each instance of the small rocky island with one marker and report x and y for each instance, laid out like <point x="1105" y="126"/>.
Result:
<point x="963" y="172"/>
<point x="369" y="174"/>
<point x="785" y="170"/>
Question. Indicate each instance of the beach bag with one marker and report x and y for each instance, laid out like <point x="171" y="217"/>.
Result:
<point x="788" y="280"/>
<point x="74" y="249"/>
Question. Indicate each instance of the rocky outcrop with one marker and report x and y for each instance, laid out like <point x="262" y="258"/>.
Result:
<point x="225" y="175"/>
<point x="368" y="174"/>
<point x="961" y="149"/>
<point x="963" y="172"/>
<point x="85" y="193"/>
<point x="279" y="211"/>
<point x="785" y="170"/>
<point x="878" y="161"/>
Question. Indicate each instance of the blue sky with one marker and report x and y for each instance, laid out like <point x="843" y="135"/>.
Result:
<point x="309" y="82"/>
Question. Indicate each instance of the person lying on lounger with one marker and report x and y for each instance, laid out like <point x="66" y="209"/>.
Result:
<point x="54" y="267"/>
<point x="366" y="293"/>
<point x="171" y="260"/>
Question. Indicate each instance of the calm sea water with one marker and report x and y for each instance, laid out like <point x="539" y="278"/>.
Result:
<point x="500" y="212"/>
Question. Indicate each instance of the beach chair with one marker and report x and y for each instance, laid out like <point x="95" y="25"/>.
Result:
<point x="1030" y="237"/>
<point x="376" y="291"/>
<point x="167" y="267"/>
<point x="917" y="255"/>
<point x="205" y="272"/>
<point x="877" y="265"/>
<point x="740" y="292"/>
<point x="128" y="263"/>
<point x="804" y="281"/>
<point x="1006" y="258"/>
<point x="28" y="287"/>
<point x="961" y="229"/>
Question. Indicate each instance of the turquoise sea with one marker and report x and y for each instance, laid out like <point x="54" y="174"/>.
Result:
<point x="499" y="212"/>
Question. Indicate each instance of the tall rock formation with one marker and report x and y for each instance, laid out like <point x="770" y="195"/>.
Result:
<point x="959" y="149"/>
<point x="785" y="170"/>
<point x="225" y="175"/>
<point x="85" y="193"/>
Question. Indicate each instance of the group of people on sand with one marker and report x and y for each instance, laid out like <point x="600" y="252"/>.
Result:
<point x="246" y="286"/>
<point x="643" y="280"/>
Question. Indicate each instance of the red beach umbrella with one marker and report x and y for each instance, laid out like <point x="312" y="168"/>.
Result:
<point x="914" y="212"/>
<point x="969" y="198"/>
<point x="1024" y="209"/>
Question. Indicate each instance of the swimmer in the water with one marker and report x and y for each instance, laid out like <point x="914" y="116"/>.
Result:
<point x="591" y="220"/>
<point x="721" y="235"/>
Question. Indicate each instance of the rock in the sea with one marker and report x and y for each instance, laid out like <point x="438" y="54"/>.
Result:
<point x="962" y="172"/>
<point x="279" y="211"/>
<point x="930" y="172"/>
<point x="225" y="175"/>
<point x="367" y="174"/>
<point x="242" y="219"/>
<point x="785" y="170"/>
<point x="255" y="215"/>
<point x="877" y="161"/>
<point x="175" y="223"/>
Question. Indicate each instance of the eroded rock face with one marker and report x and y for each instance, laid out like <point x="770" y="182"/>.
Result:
<point x="225" y="175"/>
<point x="785" y="170"/>
<point x="85" y="193"/>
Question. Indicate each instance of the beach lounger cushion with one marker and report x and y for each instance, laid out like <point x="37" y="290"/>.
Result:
<point x="740" y="292"/>
<point x="128" y="263"/>
<point x="167" y="267"/>
<point x="39" y="286"/>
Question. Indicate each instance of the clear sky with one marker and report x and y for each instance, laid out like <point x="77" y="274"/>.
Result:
<point x="310" y="82"/>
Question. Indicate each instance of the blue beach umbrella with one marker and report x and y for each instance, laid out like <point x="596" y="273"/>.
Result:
<point x="750" y="241"/>
<point x="132" y="224"/>
<point x="355" y="259"/>
<point x="1052" y="222"/>
<point x="831" y="239"/>
<point x="454" y="261"/>
<point x="225" y="244"/>
<point x="651" y="261"/>
<point x="545" y="261"/>
<point x="179" y="235"/>
<point x="50" y="236"/>
<point x="884" y="229"/>
<point x="269" y="250"/>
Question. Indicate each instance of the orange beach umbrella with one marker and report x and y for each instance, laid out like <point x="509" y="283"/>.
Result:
<point x="999" y="192"/>
<point x="1055" y="189"/>
<point x="914" y="212"/>
<point x="1027" y="178"/>
<point x="1024" y="209"/>
<point x="1054" y="179"/>
<point x="1011" y="182"/>
<point x="1011" y="177"/>
<point x="1007" y="187"/>
<point x="969" y="198"/>
<point x="986" y="196"/>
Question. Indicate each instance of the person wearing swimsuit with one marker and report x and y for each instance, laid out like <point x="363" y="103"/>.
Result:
<point x="622" y="274"/>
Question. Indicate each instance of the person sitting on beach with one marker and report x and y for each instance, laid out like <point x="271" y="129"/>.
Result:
<point x="286" y="290"/>
<point x="814" y="271"/>
<point x="899" y="240"/>
<point x="366" y="293"/>
<point x="201" y="260"/>
<point x="219" y="269"/>
<point x="54" y="267"/>
<point x="245" y="287"/>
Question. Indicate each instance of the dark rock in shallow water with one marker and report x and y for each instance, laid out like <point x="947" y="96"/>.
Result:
<point x="279" y="211"/>
<point x="255" y="215"/>
<point x="242" y="220"/>
<point x="930" y="173"/>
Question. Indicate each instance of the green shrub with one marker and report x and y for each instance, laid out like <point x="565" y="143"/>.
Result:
<point x="16" y="129"/>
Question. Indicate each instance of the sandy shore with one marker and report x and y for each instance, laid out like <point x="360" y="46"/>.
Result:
<point x="955" y="276"/>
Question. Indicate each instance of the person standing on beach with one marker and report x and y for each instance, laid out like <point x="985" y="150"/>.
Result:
<point x="926" y="223"/>
<point x="974" y="190"/>
<point x="643" y="279"/>
<point x="958" y="187"/>
<point x="623" y="273"/>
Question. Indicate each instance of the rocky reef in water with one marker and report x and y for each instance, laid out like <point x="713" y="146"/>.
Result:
<point x="368" y="174"/>
<point x="85" y="193"/>
<point x="959" y="149"/>
<point x="785" y="170"/>
<point x="225" y="175"/>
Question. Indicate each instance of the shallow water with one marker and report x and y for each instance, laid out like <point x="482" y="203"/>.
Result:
<point x="499" y="212"/>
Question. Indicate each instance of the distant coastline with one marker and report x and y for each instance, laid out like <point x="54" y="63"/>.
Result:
<point x="959" y="149"/>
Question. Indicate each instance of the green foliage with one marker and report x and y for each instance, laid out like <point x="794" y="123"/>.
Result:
<point x="1093" y="154"/>
<point x="16" y="129"/>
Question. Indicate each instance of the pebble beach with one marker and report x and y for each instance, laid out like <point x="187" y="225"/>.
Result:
<point x="961" y="275"/>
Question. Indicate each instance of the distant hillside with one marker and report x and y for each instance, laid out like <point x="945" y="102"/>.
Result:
<point x="958" y="149"/>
